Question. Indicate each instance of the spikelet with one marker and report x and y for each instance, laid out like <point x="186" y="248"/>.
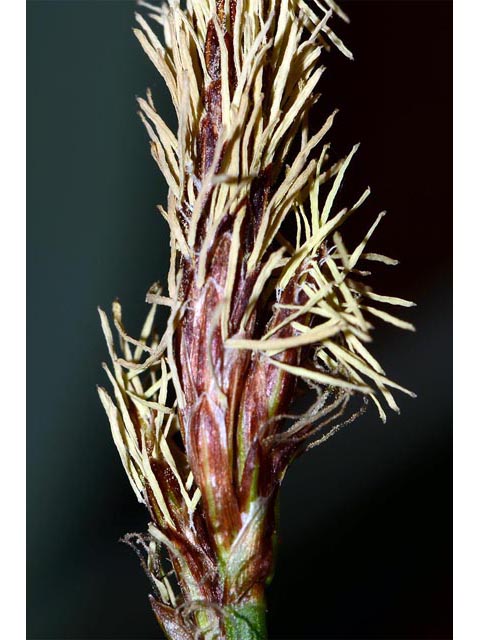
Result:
<point x="200" y="414"/>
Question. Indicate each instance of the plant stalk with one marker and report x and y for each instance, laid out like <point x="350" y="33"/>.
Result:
<point x="247" y="620"/>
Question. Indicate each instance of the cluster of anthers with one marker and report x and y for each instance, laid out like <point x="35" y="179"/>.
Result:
<point x="200" y="413"/>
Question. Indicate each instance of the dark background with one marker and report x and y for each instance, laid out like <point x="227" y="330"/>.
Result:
<point x="365" y="519"/>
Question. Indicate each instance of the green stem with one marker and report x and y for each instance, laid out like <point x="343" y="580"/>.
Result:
<point x="247" y="620"/>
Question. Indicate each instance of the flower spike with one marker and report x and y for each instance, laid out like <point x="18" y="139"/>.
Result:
<point x="201" y="415"/>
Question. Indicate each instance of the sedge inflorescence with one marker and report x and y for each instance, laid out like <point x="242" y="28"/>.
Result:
<point x="201" y="413"/>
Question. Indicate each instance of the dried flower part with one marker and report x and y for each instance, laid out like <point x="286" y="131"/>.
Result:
<point x="200" y="413"/>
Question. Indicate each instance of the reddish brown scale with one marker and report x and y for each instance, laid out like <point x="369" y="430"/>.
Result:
<point x="258" y="200"/>
<point x="232" y="76"/>
<point x="212" y="99"/>
<point x="240" y="300"/>
<point x="260" y="194"/>
<point x="222" y="15"/>
<point x="171" y="621"/>
<point x="169" y="486"/>
<point x="213" y="103"/>
<point x="207" y="142"/>
<point x="220" y="4"/>
<point x="200" y="560"/>
<point x="193" y="335"/>
<point x="210" y="464"/>
<point x="233" y="13"/>
<point x="212" y="52"/>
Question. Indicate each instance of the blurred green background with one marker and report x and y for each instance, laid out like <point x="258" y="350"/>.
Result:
<point x="365" y="534"/>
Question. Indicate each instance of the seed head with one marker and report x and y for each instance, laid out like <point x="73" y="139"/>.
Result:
<point x="201" y="414"/>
